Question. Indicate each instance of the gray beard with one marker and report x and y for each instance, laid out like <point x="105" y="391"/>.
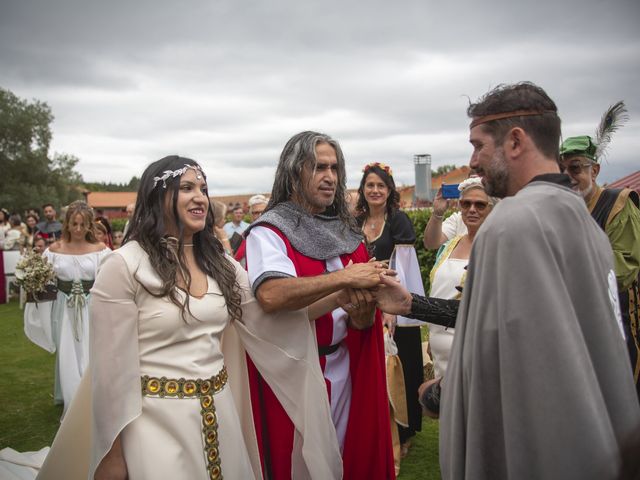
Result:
<point x="586" y="192"/>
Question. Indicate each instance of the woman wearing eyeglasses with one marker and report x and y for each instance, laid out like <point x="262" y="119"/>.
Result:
<point x="449" y="270"/>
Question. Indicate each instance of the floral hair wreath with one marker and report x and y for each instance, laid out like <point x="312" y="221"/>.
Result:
<point x="381" y="166"/>
<point x="169" y="174"/>
<point x="470" y="182"/>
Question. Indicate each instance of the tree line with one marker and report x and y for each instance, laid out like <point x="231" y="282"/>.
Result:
<point x="29" y="174"/>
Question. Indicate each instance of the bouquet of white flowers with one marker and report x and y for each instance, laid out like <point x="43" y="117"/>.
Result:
<point x="37" y="277"/>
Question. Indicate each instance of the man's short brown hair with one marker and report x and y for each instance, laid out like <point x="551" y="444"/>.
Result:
<point x="544" y="129"/>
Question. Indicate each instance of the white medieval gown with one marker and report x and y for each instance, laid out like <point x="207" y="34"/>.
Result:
<point x="134" y="333"/>
<point x="63" y="325"/>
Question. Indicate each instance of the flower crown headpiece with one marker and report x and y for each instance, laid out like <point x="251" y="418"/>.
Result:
<point x="382" y="166"/>
<point x="470" y="182"/>
<point x="169" y="174"/>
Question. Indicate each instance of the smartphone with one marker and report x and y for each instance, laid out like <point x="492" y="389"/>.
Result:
<point x="450" y="191"/>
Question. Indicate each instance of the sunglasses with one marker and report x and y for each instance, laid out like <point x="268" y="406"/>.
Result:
<point x="479" y="205"/>
<point x="574" y="168"/>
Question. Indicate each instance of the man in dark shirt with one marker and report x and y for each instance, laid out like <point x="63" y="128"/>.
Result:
<point x="50" y="229"/>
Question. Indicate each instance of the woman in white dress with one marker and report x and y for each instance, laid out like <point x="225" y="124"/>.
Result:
<point x="75" y="259"/>
<point x="165" y="401"/>
<point x="449" y="270"/>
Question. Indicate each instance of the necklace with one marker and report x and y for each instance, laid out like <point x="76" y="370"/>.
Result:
<point x="373" y="224"/>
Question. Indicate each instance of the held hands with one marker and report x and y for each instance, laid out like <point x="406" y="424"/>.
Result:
<point x="360" y="304"/>
<point x="364" y="275"/>
<point x="392" y="297"/>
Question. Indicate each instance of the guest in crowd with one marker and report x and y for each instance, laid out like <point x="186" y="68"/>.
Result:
<point x="617" y="212"/>
<point x="75" y="259"/>
<point x="118" y="236"/>
<point x="101" y="233"/>
<point x="104" y="221"/>
<point x="14" y="237"/>
<point x="236" y="227"/>
<point x="384" y="226"/>
<point x="4" y="221"/>
<point x="129" y="209"/>
<point x="257" y="205"/>
<point x="31" y="221"/>
<point x="219" y="217"/>
<point x="39" y="244"/>
<point x="49" y="228"/>
<point x="450" y="268"/>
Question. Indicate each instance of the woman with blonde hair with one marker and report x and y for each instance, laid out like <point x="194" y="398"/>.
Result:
<point x="75" y="259"/>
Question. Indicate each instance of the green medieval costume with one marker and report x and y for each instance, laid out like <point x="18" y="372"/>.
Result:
<point x="617" y="212"/>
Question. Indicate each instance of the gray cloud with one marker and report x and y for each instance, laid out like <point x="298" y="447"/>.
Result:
<point x="228" y="83"/>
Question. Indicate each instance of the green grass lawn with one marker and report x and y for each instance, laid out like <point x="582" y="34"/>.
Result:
<point x="28" y="416"/>
<point x="29" y="419"/>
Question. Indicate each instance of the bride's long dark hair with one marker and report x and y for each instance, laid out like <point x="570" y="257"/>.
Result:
<point x="147" y="227"/>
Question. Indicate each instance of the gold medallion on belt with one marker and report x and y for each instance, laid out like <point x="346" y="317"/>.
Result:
<point x="204" y="390"/>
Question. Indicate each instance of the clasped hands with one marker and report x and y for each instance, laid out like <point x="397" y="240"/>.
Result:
<point x="359" y="298"/>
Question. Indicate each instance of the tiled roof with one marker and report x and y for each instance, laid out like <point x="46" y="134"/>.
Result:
<point x="110" y="199"/>
<point x="631" y="181"/>
<point x="454" y="176"/>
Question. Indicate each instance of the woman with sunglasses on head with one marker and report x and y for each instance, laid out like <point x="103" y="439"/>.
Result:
<point x="169" y="394"/>
<point x="449" y="270"/>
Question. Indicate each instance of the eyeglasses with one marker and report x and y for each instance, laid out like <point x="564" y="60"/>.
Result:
<point x="480" y="206"/>
<point x="574" y="168"/>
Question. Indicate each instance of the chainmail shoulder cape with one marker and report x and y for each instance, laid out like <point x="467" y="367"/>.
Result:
<point x="316" y="236"/>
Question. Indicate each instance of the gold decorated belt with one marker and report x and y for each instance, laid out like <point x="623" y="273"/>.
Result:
<point x="162" y="387"/>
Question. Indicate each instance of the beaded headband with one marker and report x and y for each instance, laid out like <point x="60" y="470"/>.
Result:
<point x="169" y="174"/>
<point x="382" y="166"/>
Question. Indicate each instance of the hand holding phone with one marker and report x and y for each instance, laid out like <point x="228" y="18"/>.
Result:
<point x="450" y="191"/>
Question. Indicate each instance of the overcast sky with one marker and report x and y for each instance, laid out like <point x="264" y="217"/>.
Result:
<point x="227" y="82"/>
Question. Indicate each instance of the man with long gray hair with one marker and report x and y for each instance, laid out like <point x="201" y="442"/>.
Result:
<point x="305" y="249"/>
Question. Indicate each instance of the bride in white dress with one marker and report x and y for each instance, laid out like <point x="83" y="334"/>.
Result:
<point x="166" y="396"/>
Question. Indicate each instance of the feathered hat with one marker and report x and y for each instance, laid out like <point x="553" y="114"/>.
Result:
<point x="585" y="146"/>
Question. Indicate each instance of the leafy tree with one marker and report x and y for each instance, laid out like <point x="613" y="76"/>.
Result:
<point x="29" y="177"/>
<point x="442" y="169"/>
<point x="134" y="183"/>
<point x="131" y="186"/>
